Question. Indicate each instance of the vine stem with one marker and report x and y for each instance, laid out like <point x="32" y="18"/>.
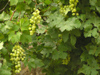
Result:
<point x="35" y="2"/>
<point x="19" y="17"/>
<point x="4" y="6"/>
<point x="12" y="14"/>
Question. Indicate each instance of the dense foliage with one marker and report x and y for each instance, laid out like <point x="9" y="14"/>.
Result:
<point x="60" y="36"/>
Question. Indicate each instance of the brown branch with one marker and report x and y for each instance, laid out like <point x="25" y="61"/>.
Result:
<point x="4" y="6"/>
<point x="12" y="15"/>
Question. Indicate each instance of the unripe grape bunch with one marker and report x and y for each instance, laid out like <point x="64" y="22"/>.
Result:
<point x="35" y="19"/>
<point x="17" y="56"/>
<point x="63" y="9"/>
<point x="72" y="6"/>
<point x="66" y="61"/>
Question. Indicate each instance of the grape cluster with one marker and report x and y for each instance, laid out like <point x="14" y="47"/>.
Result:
<point x="35" y="19"/>
<point x="17" y="56"/>
<point x="72" y="6"/>
<point x="66" y="61"/>
<point x="63" y="10"/>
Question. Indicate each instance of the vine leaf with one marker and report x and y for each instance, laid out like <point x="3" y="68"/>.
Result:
<point x="93" y="2"/>
<point x="73" y="40"/>
<point x="65" y="36"/>
<point x="4" y="16"/>
<point x="13" y="2"/>
<point x="58" y="54"/>
<point x="12" y="37"/>
<point x="87" y="70"/>
<point x="1" y="45"/>
<point x="70" y="24"/>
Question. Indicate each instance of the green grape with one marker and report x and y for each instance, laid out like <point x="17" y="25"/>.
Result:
<point x="16" y="56"/>
<point x="35" y="19"/>
<point x="77" y="14"/>
<point x="10" y="53"/>
<point x="66" y="61"/>
<point x="16" y="66"/>
<point x="73" y="14"/>
<point x="31" y="32"/>
<point x="59" y="35"/>
<point x="74" y="10"/>
<point x="33" y="27"/>
<point x="30" y="28"/>
<point x="13" y="50"/>
<point x="72" y="6"/>
<point x="31" y="21"/>
<point x="63" y="9"/>
<point x="19" y="69"/>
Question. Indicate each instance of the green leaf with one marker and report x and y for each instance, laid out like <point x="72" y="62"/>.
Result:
<point x="58" y="54"/>
<point x="0" y="65"/>
<point x="95" y="33"/>
<point x="82" y="17"/>
<point x="24" y="24"/>
<point x="38" y="63"/>
<point x="72" y="40"/>
<point x="31" y="63"/>
<point x="21" y="7"/>
<point x="55" y="19"/>
<point x="87" y="70"/>
<point x="47" y="2"/>
<point x="87" y="25"/>
<point x="46" y="52"/>
<point x="25" y="37"/>
<point x="65" y="36"/>
<point x="4" y="16"/>
<point x="1" y="45"/>
<point x="4" y="51"/>
<point x="20" y="0"/>
<point x="93" y="2"/>
<point x="88" y="34"/>
<point x="92" y="49"/>
<point x="41" y="30"/>
<point x="6" y="27"/>
<point x="13" y="2"/>
<point x="70" y="24"/>
<point x="48" y="41"/>
<point x="97" y="40"/>
<point x="5" y="72"/>
<point x="64" y="47"/>
<point x="76" y="32"/>
<point x="14" y="37"/>
<point x="54" y="33"/>
<point x="34" y="63"/>
<point x="1" y="36"/>
<point x="28" y="1"/>
<point x="98" y="8"/>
